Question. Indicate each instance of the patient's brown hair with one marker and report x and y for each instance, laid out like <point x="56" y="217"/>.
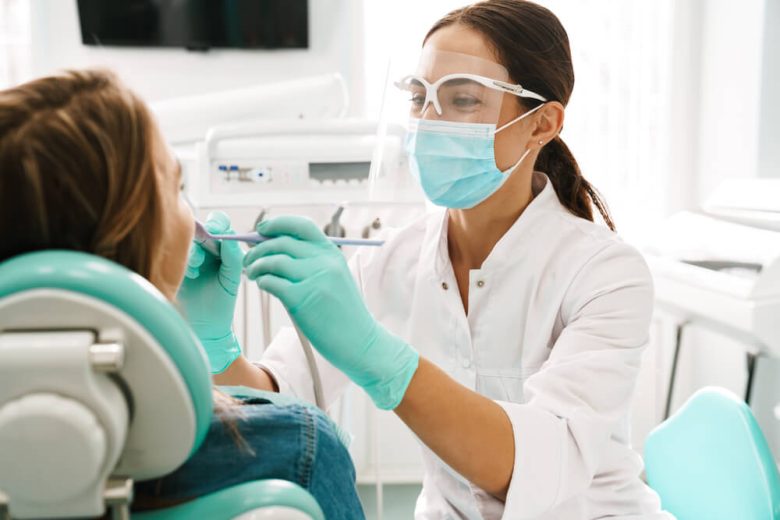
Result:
<point x="77" y="170"/>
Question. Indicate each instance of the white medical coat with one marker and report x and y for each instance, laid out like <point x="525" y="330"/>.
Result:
<point x="558" y="318"/>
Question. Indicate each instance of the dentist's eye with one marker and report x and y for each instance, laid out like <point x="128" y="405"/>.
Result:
<point x="417" y="100"/>
<point x="466" y="101"/>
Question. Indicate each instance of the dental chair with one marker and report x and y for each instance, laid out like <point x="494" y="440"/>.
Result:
<point x="711" y="461"/>
<point x="102" y="383"/>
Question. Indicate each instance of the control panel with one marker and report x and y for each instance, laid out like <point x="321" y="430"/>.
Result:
<point x="314" y="162"/>
<point x="288" y="174"/>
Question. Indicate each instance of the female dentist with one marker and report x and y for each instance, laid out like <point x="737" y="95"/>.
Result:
<point x="505" y="330"/>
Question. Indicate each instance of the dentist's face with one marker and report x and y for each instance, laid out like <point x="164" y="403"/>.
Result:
<point x="511" y="142"/>
<point x="178" y="225"/>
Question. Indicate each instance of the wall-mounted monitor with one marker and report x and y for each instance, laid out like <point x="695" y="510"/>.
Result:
<point x="196" y="24"/>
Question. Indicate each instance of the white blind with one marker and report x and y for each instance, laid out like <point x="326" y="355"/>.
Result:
<point x="618" y="122"/>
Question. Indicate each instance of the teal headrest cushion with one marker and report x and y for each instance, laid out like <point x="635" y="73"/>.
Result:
<point x="130" y="293"/>
<point x="711" y="460"/>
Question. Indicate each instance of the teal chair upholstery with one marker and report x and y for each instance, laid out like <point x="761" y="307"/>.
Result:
<point x="119" y="287"/>
<point x="711" y="461"/>
<point x="285" y="496"/>
<point x="111" y="294"/>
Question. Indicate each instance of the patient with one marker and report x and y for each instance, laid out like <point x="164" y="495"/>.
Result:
<point x="83" y="167"/>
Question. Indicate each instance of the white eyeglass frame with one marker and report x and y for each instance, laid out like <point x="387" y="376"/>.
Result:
<point x="432" y="89"/>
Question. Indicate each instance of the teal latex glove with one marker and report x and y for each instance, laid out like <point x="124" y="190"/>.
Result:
<point x="302" y="268"/>
<point x="208" y="295"/>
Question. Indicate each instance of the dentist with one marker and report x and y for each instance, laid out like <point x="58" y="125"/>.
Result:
<point x="506" y="330"/>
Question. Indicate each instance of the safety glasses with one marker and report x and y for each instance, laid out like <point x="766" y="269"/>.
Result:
<point x="461" y="96"/>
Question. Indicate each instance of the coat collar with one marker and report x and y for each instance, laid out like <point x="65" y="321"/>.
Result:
<point x="519" y="237"/>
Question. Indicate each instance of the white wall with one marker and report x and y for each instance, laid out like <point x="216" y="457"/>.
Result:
<point x="769" y="151"/>
<point x="730" y="87"/>
<point x="14" y="42"/>
<point x="335" y="45"/>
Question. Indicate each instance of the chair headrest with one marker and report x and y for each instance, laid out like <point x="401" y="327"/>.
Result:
<point x="130" y="293"/>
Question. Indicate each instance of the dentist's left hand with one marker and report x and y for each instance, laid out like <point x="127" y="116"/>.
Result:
<point x="208" y="295"/>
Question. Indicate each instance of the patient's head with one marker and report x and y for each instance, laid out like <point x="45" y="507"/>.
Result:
<point x="83" y="166"/>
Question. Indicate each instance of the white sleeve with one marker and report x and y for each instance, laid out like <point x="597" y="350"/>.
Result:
<point x="285" y="360"/>
<point x="582" y="392"/>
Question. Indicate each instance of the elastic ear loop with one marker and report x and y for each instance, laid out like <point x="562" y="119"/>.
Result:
<point x="510" y="170"/>
<point x="521" y="116"/>
<point x="528" y="150"/>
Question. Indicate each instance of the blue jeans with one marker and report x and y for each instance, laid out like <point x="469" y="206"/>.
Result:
<point x="289" y="440"/>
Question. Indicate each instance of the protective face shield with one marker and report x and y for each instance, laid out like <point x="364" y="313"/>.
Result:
<point x="454" y="103"/>
<point x="459" y="87"/>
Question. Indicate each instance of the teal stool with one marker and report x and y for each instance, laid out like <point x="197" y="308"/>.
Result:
<point x="101" y="383"/>
<point x="711" y="461"/>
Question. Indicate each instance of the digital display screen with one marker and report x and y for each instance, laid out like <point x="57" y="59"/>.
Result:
<point x="196" y="24"/>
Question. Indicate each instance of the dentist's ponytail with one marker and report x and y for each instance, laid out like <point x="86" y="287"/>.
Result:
<point x="531" y="43"/>
<point x="573" y="190"/>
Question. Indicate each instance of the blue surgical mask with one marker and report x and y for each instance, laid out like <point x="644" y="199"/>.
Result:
<point x="455" y="162"/>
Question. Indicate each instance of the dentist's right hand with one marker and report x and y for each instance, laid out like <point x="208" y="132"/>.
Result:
<point x="302" y="268"/>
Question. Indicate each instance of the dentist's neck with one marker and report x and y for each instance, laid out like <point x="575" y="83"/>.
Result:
<point x="473" y="233"/>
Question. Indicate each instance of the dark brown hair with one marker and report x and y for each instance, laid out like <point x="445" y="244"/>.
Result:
<point x="532" y="44"/>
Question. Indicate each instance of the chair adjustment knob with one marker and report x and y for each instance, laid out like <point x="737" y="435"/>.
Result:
<point x="51" y="448"/>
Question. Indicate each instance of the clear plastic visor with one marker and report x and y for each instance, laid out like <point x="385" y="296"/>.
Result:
<point x="450" y="86"/>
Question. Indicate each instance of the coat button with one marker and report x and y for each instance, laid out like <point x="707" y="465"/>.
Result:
<point x="465" y="362"/>
<point x="444" y="286"/>
<point x="481" y="283"/>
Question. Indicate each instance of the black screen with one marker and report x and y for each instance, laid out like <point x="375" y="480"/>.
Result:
<point x="196" y="24"/>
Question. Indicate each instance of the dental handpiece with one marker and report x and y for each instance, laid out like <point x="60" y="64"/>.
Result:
<point x="210" y="241"/>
